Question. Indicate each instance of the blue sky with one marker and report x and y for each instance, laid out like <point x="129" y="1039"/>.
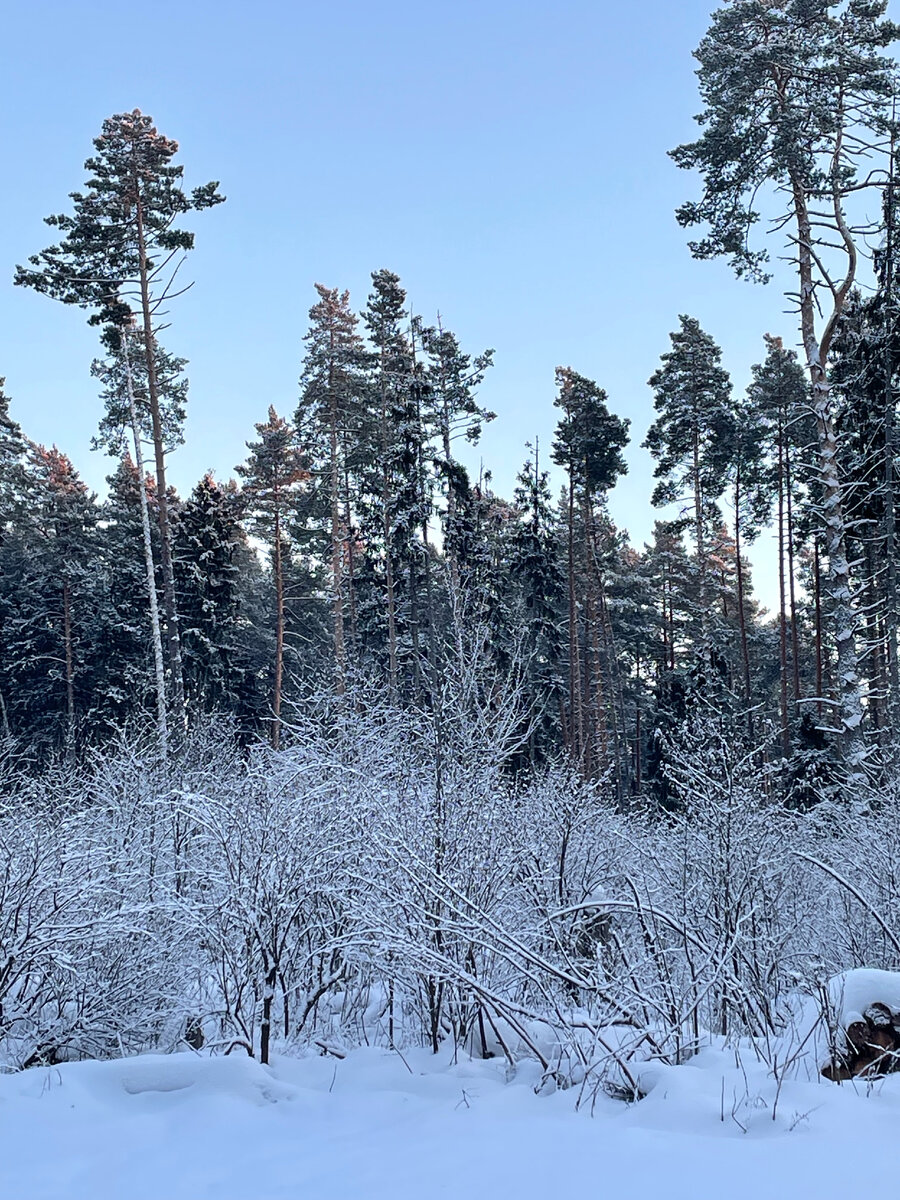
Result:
<point x="507" y="160"/>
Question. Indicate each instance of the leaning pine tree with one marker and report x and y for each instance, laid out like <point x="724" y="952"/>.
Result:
<point x="797" y="104"/>
<point x="121" y="248"/>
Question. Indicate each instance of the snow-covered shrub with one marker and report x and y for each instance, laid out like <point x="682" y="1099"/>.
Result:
<point x="386" y="878"/>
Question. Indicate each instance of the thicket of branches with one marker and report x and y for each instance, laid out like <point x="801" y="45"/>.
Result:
<point x="378" y="883"/>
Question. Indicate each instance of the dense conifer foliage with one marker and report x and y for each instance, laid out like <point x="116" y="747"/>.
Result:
<point x="355" y="551"/>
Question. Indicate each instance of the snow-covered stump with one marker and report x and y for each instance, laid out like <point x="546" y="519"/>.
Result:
<point x="864" y="1011"/>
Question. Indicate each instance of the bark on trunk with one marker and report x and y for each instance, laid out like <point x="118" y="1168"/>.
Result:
<point x="576" y="723"/>
<point x="742" y="616"/>
<point x="70" y="669"/>
<point x="782" y="620"/>
<point x="840" y="595"/>
<point x="337" y="542"/>
<point x="173" y="641"/>
<point x="795" y="637"/>
<point x="388" y="544"/>
<point x="279" y="627"/>
<point x="162" y="730"/>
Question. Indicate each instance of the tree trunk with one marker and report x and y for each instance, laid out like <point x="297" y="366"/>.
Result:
<point x="337" y="542"/>
<point x="795" y="636"/>
<point x="70" y="669"/>
<point x="782" y="620"/>
<point x="279" y="627"/>
<point x="388" y="543"/>
<point x="265" y="1032"/>
<point x="839" y="589"/>
<point x="638" y="734"/>
<point x="843" y="616"/>
<point x="165" y="527"/>
<point x="596" y="747"/>
<point x="698" y="538"/>
<point x="890" y="519"/>
<point x="162" y="731"/>
<point x="351" y="567"/>
<point x="820" y="674"/>
<point x="576" y="723"/>
<point x="742" y="616"/>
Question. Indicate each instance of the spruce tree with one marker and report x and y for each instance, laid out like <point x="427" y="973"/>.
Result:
<point x="13" y="474"/>
<point x="454" y="413"/>
<point x="51" y="598"/>
<point x="126" y="645"/>
<point x="536" y="573"/>
<point x="207" y="538"/>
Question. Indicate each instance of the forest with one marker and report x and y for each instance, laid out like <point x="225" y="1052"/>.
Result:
<point x="351" y="748"/>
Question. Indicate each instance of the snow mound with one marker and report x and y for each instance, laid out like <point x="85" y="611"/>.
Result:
<point x="386" y="1127"/>
<point x="174" y="1076"/>
<point x="852" y="993"/>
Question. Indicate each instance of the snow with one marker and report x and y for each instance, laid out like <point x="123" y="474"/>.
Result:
<point x="376" y="1125"/>
<point x="852" y="992"/>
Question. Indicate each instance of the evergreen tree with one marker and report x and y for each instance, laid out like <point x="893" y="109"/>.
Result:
<point x="778" y="396"/>
<point x="50" y="603"/>
<point x="207" y="537"/>
<point x="394" y="500"/>
<point x="13" y="474"/>
<point x="588" y="444"/>
<point x="750" y="477"/>
<point x="118" y="250"/>
<point x="537" y="575"/>
<point x="454" y="412"/>
<point x="691" y="438"/>
<point x="272" y="476"/>
<point x="797" y="100"/>
<point x="127" y="406"/>
<point x="125" y="636"/>
<point x="332" y="425"/>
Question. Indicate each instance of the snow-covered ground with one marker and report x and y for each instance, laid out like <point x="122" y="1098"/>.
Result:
<point x="373" y="1126"/>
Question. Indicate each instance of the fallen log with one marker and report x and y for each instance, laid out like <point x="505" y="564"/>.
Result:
<point x="872" y="1046"/>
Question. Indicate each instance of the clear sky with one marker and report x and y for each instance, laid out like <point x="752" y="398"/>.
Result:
<point x="506" y="159"/>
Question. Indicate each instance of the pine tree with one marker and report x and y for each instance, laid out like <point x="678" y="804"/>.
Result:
<point x="272" y="475"/>
<point x="122" y="246"/>
<point x="331" y="422"/>
<point x="797" y="100"/>
<point x="393" y="500"/>
<point x="454" y="412"/>
<point x="588" y="444"/>
<point x="778" y="396"/>
<point x="691" y="439"/>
